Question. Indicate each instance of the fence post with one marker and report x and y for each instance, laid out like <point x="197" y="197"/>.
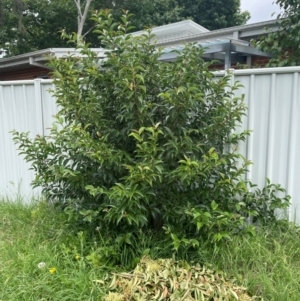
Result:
<point x="229" y="72"/>
<point x="293" y="151"/>
<point x="39" y="102"/>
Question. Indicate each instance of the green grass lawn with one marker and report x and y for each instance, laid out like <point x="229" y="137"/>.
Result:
<point x="41" y="258"/>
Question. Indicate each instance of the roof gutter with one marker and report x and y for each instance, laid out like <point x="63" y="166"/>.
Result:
<point x="32" y="62"/>
<point x="23" y="59"/>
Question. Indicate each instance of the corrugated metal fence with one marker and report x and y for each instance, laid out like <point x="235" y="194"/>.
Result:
<point x="25" y="106"/>
<point x="273" y="100"/>
<point x="272" y="96"/>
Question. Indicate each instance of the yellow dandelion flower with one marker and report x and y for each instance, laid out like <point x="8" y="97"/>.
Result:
<point x="77" y="257"/>
<point x="52" y="270"/>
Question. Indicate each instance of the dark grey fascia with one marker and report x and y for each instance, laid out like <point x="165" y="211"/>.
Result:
<point x="226" y="52"/>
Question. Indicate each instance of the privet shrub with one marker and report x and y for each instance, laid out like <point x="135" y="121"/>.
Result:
<point x="140" y="143"/>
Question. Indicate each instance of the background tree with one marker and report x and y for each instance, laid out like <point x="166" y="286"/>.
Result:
<point x="284" y="43"/>
<point x="214" y="14"/>
<point x="29" y="25"/>
<point x="33" y="25"/>
<point x="148" y="13"/>
<point x="82" y="13"/>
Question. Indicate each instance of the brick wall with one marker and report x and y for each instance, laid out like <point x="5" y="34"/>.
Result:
<point x="256" y="62"/>
<point x="28" y="73"/>
<point x="259" y="61"/>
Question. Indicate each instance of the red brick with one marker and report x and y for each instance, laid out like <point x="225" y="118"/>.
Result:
<point x="28" y="73"/>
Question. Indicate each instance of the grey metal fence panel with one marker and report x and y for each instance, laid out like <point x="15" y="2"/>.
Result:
<point x="273" y="100"/>
<point x="272" y="96"/>
<point x="22" y="108"/>
<point x="49" y="107"/>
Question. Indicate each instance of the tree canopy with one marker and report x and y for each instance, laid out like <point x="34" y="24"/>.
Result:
<point x="33" y="25"/>
<point x="284" y="43"/>
<point x="213" y="14"/>
<point x="29" y="25"/>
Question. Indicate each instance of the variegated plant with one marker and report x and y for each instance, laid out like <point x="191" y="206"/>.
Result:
<point x="167" y="279"/>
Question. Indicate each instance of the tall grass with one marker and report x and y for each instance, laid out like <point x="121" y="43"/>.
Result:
<point x="31" y="234"/>
<point x="268" y="263"/>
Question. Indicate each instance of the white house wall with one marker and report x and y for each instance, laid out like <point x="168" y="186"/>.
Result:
<point x="272" y="96"/>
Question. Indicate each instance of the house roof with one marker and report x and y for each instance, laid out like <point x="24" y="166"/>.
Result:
<point x="175" y="30"/>
<point x="40" y="57"/>
<point x="243" y="32"/>
<point x="216" y="42"/>
<point x="226" y="51"/>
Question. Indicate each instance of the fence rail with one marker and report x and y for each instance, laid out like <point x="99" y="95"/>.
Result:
<point x="272" y="96"/>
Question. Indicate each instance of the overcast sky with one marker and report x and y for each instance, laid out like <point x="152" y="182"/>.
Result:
<point x="260" y="10"/>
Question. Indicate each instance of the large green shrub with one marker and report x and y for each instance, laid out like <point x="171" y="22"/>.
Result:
<point x="140" y="143"/>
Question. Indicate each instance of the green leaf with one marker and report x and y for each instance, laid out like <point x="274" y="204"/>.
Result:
<point x="214" y="206"/>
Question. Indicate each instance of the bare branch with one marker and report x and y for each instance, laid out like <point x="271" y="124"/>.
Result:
<point x="88" y="31"/>
<point x="81" y="18"/>
<point x="86" y="9"/>
<point x="77" y="3"/>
